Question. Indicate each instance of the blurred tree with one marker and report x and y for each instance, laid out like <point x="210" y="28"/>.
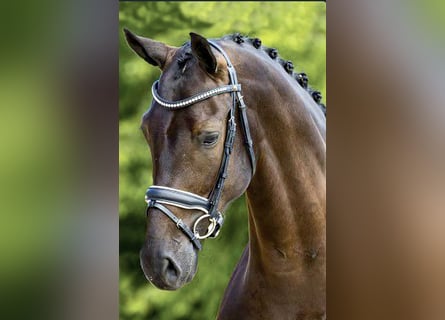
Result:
<point x="297" y="30"/>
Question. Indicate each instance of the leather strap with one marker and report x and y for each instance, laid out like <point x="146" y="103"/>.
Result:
<point x="179" y="223"/>
<point x="178" y="198"/>
<point x="246" y="132"/>
<point x="242" y="107"/>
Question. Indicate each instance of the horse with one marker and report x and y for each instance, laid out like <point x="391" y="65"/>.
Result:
<point x="208" y="90"/>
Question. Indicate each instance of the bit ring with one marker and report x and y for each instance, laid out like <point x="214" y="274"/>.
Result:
<point x="210" y="228"/>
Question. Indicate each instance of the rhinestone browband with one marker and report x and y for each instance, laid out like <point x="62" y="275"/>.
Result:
<point x="193" y="99"/>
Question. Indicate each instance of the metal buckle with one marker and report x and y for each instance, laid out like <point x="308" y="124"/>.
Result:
<point x="210" y="228"/>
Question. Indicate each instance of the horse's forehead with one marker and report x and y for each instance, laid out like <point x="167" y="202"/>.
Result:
<point x="159" y="119"/>
<point x="177" y="59"/>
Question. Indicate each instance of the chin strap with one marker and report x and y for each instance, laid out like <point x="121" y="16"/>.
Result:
<point x="179" y="223"/>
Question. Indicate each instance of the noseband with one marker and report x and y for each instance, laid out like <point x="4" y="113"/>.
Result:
<point x="158" y="196"/>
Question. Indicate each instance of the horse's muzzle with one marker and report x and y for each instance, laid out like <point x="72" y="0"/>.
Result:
<point x="167" y="270"/>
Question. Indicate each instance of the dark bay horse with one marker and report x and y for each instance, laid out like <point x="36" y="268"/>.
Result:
<point x="230" y="116"/>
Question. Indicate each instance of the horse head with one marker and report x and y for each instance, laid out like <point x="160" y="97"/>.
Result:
<point x="190" y="152"/>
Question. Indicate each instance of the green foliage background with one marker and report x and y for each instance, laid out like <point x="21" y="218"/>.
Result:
<point x="297" y="30"/>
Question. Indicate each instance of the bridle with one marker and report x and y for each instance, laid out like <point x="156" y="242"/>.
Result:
<point x="158" y="196"/>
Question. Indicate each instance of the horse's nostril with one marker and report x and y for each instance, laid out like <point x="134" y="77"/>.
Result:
<point x="171" y="270"/>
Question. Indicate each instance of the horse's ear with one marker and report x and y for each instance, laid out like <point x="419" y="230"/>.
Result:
<point x="153" y="52"/>
<point x="202" y="51"/>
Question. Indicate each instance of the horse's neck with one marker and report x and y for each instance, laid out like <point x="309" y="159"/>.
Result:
<point x="286" y="197"/>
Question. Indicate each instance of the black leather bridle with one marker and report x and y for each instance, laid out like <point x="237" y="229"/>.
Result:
<point x="158" y="196"/>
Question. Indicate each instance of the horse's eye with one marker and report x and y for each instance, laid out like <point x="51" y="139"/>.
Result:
<point x="209" y="139"/>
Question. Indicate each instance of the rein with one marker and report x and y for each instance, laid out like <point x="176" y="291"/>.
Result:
<point x="158" y="196"/>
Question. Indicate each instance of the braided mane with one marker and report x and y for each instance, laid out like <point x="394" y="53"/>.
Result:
<point x="301" y="78"/>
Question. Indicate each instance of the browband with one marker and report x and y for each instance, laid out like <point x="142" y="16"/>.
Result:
<point x="193" y="99"/>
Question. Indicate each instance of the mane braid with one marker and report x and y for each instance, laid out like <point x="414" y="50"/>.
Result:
<point x="301" y="78"/>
